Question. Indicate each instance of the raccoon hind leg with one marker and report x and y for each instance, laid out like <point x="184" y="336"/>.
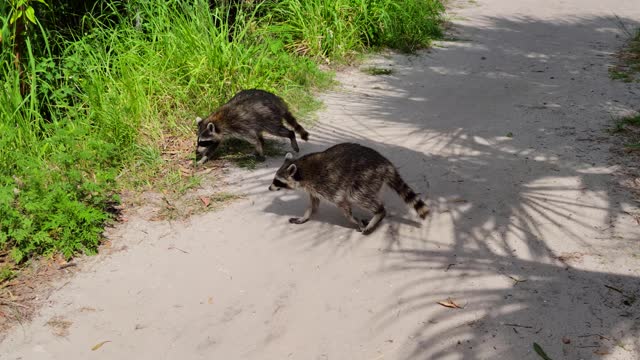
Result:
<point x="345" y="206"/>
<point x="375" y="206"/>
<point x="258" y="141"/>
<point x="284" y="132"/>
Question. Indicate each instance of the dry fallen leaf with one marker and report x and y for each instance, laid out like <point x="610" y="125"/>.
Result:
<point x="450" y="304"/>
<point x="59" y="326"/>
<point x="566" y="340"/>
<point x="205" y="200"/>
<point x="99" y="345"/>
<point x="601" y="352"/>
<point x="210" y="301"/>
<point x="538" y="349"/>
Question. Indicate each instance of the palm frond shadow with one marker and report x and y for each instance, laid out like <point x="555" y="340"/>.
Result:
<point x="504" y="206"/>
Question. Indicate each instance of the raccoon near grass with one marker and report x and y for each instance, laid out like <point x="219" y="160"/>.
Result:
<point x="346" y="174"/>
<point x="248" y="115"/>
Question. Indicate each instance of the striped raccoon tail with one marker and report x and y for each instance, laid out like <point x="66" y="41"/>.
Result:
<point x="408" y="195"/>
<point x="294" y="123"/>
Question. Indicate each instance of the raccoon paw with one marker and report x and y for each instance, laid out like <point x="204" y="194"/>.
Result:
<point x="367" y="231"/>
<point x="364" y="223"/>
<point x="360" y="225"/>
<point x="298" y="220"/>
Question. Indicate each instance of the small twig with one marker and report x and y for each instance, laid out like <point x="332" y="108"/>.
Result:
<point x="598" y="335"/>
<point x="522" y="326"/>
<point x="61" y="267"/>
<point x="449" y="267"/>
<point x="614" y="289"/>
<point x="622" y="26"/>
<point x="620" y="291"/>
<point x="176" y="248"/>
<point x="515" y="279"/>
<point x="12" y="303"/>
<point x="168" y="203"/>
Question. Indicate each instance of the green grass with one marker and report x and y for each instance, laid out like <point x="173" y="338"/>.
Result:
<point x="100" y="111"/>
<point x="631" y="126"/>
<point x="6" y="274"/>
<point x="620" y="125"/>
<point x="338" y="29"/>
<point x="616" y="74"/>
<point x="627" y="68"/>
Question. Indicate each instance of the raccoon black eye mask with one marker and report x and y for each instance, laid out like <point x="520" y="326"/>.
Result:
<point x="346" y="174"/>
<point x="277" y="185"/>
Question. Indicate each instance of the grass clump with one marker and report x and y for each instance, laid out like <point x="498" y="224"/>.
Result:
<point x="110" y="102"/>
<point x="374" y="70"/>
<point x="627" y="68"/>
<point x="621" y="124"/>
<point x="6" y="274"/>
<point x="630" y="127"/>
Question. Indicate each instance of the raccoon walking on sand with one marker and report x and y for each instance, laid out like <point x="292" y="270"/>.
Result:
<point x="345" y="174"/>
<point x="248" y="115"/>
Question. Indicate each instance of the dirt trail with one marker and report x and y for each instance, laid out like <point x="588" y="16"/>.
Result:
<point x="503" y="129"/>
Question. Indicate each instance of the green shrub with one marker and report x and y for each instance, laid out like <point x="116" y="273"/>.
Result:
<point x="335" y="29"/>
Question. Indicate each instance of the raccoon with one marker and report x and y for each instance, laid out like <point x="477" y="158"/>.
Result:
<point x="345" y="174"/>
<point x="248" y="115"/>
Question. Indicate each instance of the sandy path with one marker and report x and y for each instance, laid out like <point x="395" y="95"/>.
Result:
<point x="539" y="206"/>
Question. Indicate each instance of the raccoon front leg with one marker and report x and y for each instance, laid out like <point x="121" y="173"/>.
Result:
<point x="345" y="206"/>
<point x="313" y="206"/>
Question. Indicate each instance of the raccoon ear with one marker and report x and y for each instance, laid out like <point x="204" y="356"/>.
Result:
<point x="198" y="120"/>
<point x="291" y="170"/>
<point x="211" y="127"/>
<point x="289" y="156"/>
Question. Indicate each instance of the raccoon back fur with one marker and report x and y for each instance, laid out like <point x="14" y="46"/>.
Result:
<point x="346" y="174"/>
<point x="248" y="115"/>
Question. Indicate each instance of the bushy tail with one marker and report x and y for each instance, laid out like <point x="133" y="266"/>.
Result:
<point x="296" y="127"/>
<point x="408" y="195"/>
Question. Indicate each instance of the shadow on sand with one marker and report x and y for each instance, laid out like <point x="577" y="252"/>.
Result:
<point x="508" y="181"/>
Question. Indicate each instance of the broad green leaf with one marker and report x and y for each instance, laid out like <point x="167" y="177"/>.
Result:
<point x="16" y="15"/>
<point x="30" y="14"/>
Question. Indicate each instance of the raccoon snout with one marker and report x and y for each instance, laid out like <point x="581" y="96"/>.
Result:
<point x="273" y="188"/>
